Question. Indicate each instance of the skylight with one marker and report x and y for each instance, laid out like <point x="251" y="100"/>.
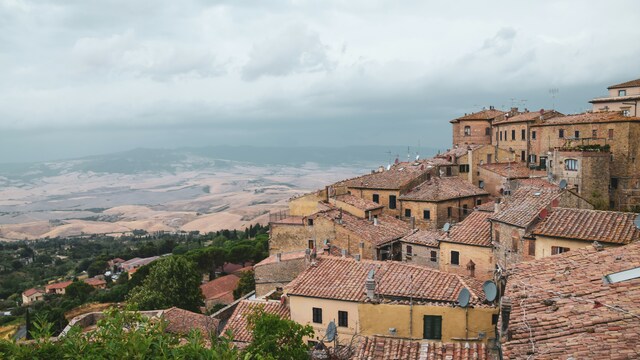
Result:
<point x="622" y="276"/>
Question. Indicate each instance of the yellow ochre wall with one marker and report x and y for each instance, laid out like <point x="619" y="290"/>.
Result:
<point x="302" y="313"/>
<point x="481" y="256"/>
<point x="544" y="244"/>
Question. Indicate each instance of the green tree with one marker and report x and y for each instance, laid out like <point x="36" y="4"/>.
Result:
<point x="97" y="267"/>
<point x="246" y="284"/>
<point x="172" y="281"/>
<point x="275" y="338"/>
<point x="78" y="290"/>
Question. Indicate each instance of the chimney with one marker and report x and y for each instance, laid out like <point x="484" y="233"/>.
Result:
<point x="344" y="252"/>
<point x="375" y="221"/>
<point x="514" y="111"/>
<point x="307" y="255"/>
<point x="357" y="257"/>
<point x="370" y="285"/>
<point x="413" y="222"/>
<point x="496" y="206"/>
<point x="471" y="266"/>
<point x="278" y="257"/>
<point x="505" y="308"/>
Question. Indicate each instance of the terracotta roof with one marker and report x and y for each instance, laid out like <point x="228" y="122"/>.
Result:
<point x="344" y="279"/>
<point x="588" y="118"/>
<point x="221" y="288"/>
<point x="424" y="237"/>
<point x="60" y="285"/>
<point x="32" y="291"/>
<point x="290" y="220"/>
<point x="632" y="83"/>
<point x="386" y="348"/>
<point x="562" y="308"/>
<point x="181" y="322"/>
<point x="488" y="206"/>
<point x="481" y="115"/>
<point x="535" y="182"/>
<point x="459" y="151"/>
<point x="589" y="225"/>
<point x="360" y="203"/>
<point x="614" y="99"/>
<point x="528" y="116"/>
<point x="388" y="228"/>
<point x="525" y="204"/>
<point x="237" y="323"/>
<point x="443" y="188"/>
<point x="231" y="268"/>
<point x="95" y="281"/>
<point x="293" y="255"/>
<point x="398" y="176"/>
<point x="475" y="229"/>
<point x="512" y="170"/>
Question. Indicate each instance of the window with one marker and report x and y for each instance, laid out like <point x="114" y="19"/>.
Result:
<point x="426" y="214"/>
<point x="610" y="133"/>
<point x="317" y="315"/>
<point x="434" y="256"/>
<point x="376" y="198"/>
<point x="311" y="244"/>
<point x="561" y="133"/>
<point x="455" y="258"/>
<point x="626" y="112"/>
<point x="392" y="201"/>
<point x="513" y="134"/>
<point x="496" y="236"/>
<point x="465" y="209"/>
<point x="489" y="157"/>
<point x="532" y="248"/>
<point x="407" y="213"/>
<point x="467" y="130"/>
<point x="571" y="164"/>
<point x="500" y="135"/>
<point x="310" y="222"/>
<point x="533" y="159"/>
<point x="577" y="134"/>
<point x="478" y="202"/>
<point x="614" y="183"/>
<point x="448" y="170"/>
<point x="409" y="251"/>
<point x="523" y="155"/>
<point x="481" y="184"/>
<point x="343" y="318"/>
<point x="432" y="327"/>
<point x="523" y="133"/>
<point x="464" y="168"/>
<point x="494" y="319"/>
<point x="449" y="211"/>
<point x="514" y="243"/>
<point x="487" y="131"/>
<point x="594" y="133"/>
<point x="555" y="250"/>
<point x="622" y="92"/>
<point x="533" y="135"/>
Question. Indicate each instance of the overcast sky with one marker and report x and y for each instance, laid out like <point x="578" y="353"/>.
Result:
<point x="82" y="77"/>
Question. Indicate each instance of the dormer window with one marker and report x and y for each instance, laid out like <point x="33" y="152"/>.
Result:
<point x="622" y="92"/>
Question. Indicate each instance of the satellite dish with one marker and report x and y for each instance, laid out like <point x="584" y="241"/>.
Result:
<point x="446" y="227"/>
<point x="637" y="221"/>
<point x="463" y="297"/>
<point x="490" y="290"/>
<point x="563" y="184"/>
<point x="331" y="331"/>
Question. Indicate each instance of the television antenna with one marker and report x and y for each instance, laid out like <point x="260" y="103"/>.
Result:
<point x="554" y="92"/>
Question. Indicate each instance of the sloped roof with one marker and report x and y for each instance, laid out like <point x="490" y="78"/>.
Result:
<point x="95" y="281"/>
<point x="528" y="116"/>
<point x="488" y="206"/>
<point x="221" y="288"/>
<point x="388" y="228"/>
<point x="237" y="323"/>
<point x="60" y="285"/>
<point x="589" y="225"/>
<point x="459" y="151"/>
<point x="525" y="204"/>
<point x="32" y="291"/>
<point x="511" y="170"/>
<point x="632" y="83"/>
<point x="272" y="259"/>
<point x="398" y="176"/>
<point x="588" y="118"/>
<point x="181" y="322"/>
<point x="360" y="203"/>
<point x="475" y="229"/>
<point x="424" y="237"/>
<point x="489" y="114"/>
<point x="344" y="279"/>
<point x="443" y="188"/>
<point x="562" y="308"/>
<point x="388" y="348"/>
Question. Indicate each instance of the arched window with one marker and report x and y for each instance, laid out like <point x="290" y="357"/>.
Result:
<point x="467" y="130"/>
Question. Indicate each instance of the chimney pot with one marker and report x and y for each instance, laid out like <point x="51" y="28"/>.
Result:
<point x="278" y="257"/>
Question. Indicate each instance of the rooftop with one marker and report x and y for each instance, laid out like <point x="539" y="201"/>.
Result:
<point x="397" y="177"/>
<point x="32" y="291"/>
<point x="488" y="206"/>
<point x="458" y="151"/>
<point x="360" y="203"/>
<point x="528" y="116"/>
<point x="632" y="83"/>
<point x="181" y="322"/>
<point x="60" y="285"/>
<point x="475" y="229"/>
<point x="424" y="237"/>
<point x="272" y="259"/>
<point x="512" y="170"/>
<point x="344" y="279"/>
<point x="443" y="188"/>
<point x="237" y="323"/>
<point x="589" y="225"/>
<point x="95" y="281"/>
<point x="388" y="348"/>
<point x="388" y="228"/>
<point x="221" y="288"/>
<point x="588" y="118"/>
<point x="485" y="114"/>
<point x="525" y="204"/>
<point x="562" y="308"/>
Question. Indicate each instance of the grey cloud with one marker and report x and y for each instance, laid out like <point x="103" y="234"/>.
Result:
<point x="297" y="49"/>
<point x="502" y="42"/>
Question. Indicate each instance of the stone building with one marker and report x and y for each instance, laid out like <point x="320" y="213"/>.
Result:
<point x="468" y="159"/>
<point x="440" y="200"/>
<point x="32" y="295"/>
<point x="475" y="128"/>
<point x="496" y="178"/>
<point x="622" y="97"/>
<point x="421" y="247"/>
<point x="277" y="270"/>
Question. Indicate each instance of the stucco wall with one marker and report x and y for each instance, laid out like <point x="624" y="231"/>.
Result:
<point x="544" y="244"/>
<point x="302" y="313"/>
<point x="481" y="256"/>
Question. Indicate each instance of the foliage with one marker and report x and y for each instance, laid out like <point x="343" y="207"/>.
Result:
<point x="275" y="338"/>
<point x="172" y="281"/>
<point x="246" y="284"/>
<point x="79" y="290"/>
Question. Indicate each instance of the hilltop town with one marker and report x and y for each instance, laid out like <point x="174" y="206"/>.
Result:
<point x="520" y="241"/>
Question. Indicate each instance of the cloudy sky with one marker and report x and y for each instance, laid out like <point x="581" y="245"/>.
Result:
<point x="81" y="77"/>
